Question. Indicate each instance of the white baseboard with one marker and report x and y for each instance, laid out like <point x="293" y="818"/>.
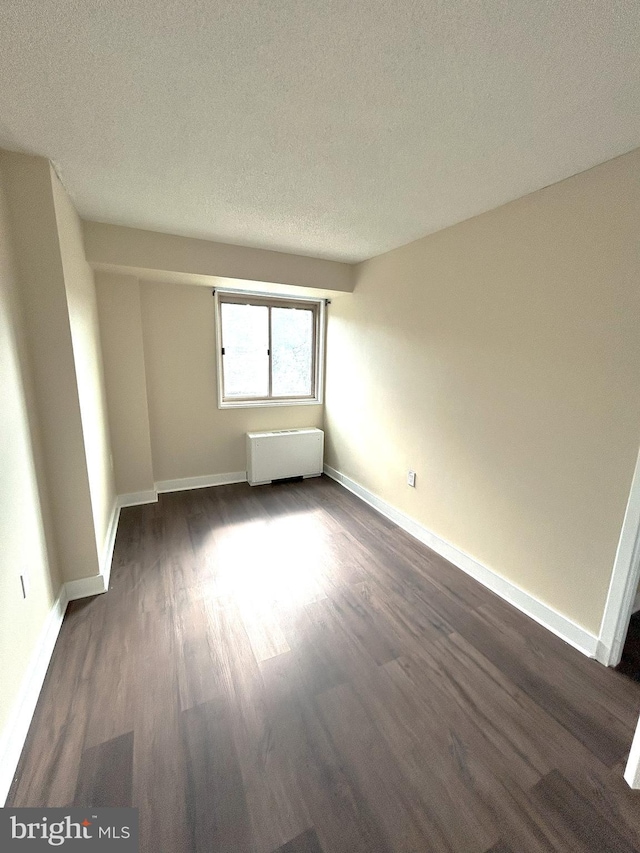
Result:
<point x="632" y="770"/>
<point x="15" y="732"/>
<point x="137" y="498"/>
<point x="201" y="482"/>
<point x="97" y="584"/>
<point x="16" y="729"/>
<point x="181" y="485"/>
<point x="555" y="622"/>
<point x="86" y="587"/>
<point x="110" y="541"/>
<point x="623" y="587"/>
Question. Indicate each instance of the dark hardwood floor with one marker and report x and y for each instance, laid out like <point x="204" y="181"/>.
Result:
<point x="282" y="669"/>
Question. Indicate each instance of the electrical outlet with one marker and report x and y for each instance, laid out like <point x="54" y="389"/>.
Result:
<point x="411" y="478"/>
<point x="24" y="583"/>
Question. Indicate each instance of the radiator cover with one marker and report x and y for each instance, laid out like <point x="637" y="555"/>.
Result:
<point x="284" y="453"/>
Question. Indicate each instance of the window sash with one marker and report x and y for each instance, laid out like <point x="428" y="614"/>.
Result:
<point x="314" y="306"/>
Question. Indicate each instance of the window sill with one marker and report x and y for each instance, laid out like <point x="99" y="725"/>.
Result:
<point x="262" y="404"/>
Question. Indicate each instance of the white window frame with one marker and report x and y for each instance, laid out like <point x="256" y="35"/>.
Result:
<point x="278" y="301"/>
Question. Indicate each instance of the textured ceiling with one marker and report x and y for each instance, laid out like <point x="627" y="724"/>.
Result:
<point x="338" y="129"/>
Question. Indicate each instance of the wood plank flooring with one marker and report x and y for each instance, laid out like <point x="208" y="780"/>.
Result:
<point x="282" y="669"/>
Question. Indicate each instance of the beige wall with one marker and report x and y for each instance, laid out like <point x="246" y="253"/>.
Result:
<point x="190" y="436"/>
<point x="23" y="509"/>
<point x="87" y="355"/>
<point x="57" y="494"/>
<point x="500" y="359"/>
<point x="142" y="253"/>
<point x="28" y="182"/>
<point x="125" y="379"/>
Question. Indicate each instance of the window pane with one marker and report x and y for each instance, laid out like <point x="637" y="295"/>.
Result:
<point x="245" y="338"/>
<point x="292" y="352"/>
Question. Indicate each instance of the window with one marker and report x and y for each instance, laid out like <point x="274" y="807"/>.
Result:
<point x="269" y="350"/>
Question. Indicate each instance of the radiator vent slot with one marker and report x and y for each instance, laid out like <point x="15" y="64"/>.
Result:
<point x="284" y="453"/>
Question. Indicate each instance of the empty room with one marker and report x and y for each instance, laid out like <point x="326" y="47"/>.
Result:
<point x="320" y="395"/>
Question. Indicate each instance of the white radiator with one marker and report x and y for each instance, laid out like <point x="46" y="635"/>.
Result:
<point x="284" y="453"/>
